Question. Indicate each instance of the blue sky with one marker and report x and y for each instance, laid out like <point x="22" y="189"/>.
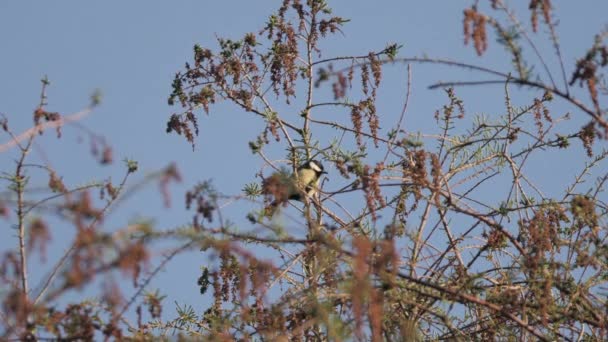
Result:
<point x="130" y="50"/>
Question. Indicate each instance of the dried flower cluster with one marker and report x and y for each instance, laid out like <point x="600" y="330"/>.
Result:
<point x="588" y="69"/>
<point x="543" y="6"/>
<point x="474" y="24"/>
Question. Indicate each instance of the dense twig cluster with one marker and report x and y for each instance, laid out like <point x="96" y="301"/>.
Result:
<point x="436" y="236"/>
<point x="43" y="218"/>
<point x="520" y="262"/>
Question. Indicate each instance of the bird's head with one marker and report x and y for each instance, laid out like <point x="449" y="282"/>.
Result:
<point x="314" y="165"/>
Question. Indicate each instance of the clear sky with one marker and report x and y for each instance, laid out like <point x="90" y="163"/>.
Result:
<point x="130" y="50"/>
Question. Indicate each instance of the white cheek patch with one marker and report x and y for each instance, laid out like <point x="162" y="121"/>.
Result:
<point x="315" y="167"/>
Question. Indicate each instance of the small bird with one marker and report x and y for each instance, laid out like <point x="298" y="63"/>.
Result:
<point x="309" y="175"/>
<point x="286" y="187"/>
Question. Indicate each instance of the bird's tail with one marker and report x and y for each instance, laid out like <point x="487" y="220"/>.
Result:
<point x="272" y="208"/>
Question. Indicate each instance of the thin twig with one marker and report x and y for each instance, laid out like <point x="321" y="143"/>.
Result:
<point x="67" y="253"/>
<point x="42" y="127"/>
<point x="162" y="265"/>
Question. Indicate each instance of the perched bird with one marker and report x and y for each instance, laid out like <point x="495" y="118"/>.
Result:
<point x="284" y="187"/>
<point x="309" y="175"/>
